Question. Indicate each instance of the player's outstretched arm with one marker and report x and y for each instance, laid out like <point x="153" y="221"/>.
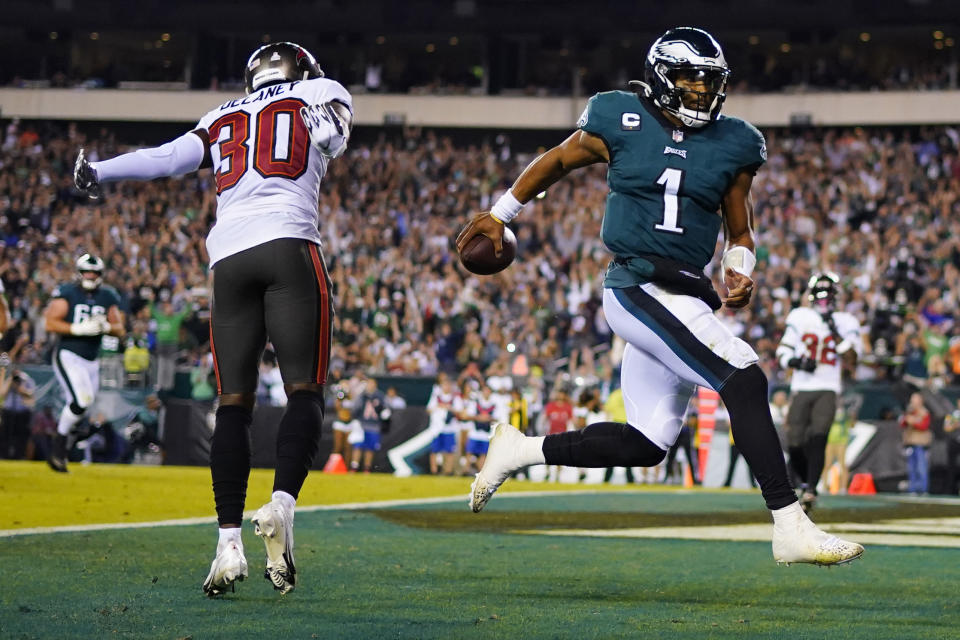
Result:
<point x="579" y="150"/>
<point x="738" y="255"/>
<point x="183" y="155"/>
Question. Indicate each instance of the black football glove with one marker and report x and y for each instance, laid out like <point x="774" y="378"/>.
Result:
<point x="803" y="363"/>
<point x="85" y="178"/>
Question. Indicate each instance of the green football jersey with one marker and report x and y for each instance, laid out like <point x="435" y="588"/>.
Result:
<point x="666" y="182"/>
<point x="83" y="304"/>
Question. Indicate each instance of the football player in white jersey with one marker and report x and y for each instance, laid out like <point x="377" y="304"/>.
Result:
<point x="816" y="342"/>
<point x="269" y="151"/>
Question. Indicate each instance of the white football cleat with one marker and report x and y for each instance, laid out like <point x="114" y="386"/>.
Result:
<point x="503" y="458"/>
<point x="274" y="524"/>
<point x="228" y="567"/>
<point x="800" y="540"/>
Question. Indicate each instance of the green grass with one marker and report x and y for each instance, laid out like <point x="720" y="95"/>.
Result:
<point x="370" y="574"/>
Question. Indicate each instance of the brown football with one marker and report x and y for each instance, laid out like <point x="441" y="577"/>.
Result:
<point x="479" y="257"/>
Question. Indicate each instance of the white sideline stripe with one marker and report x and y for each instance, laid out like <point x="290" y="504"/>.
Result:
<point x="889" y="535"/>
<point x="346" y="506"/>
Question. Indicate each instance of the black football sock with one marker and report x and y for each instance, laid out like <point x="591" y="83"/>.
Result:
<point x="602" y="444"/>
<point x="230" y="462"/>
<point x="745" y="396"/>
<point x="816" y="453"/>
<point x="298" y="440"/>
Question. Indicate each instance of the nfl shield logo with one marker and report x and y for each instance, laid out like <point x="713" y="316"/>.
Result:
<point x="677" y="135"/>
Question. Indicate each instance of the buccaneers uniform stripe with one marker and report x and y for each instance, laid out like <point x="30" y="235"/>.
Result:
<point x="324" y="355"/>
<point x="213" y="352"/>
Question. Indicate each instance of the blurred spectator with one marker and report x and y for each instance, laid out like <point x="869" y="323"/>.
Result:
<point x="394" y="400"/>
<point x="167" y="322"/>
<point x="270" y="389"/>
<point x="917" y="438"/>
<point x="372" y="412"/>
<point x="17" y="413"/>
<point x="136" y="355"/>
<point x="41" y="434"/>
<point x="104" y="443"/>
<point x="202" y="380"/>
<point x="951" y="428"/>
<point x="143" y="433"/>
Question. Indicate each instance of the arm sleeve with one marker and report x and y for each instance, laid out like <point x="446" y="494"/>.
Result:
<point x="597" y="120"/>
<point x="177" y="157"/>
<point x="333" y="91"/>
<point x="754" y="150"/>
<point x="853" y="333"/>
<point x="787" y="348"/>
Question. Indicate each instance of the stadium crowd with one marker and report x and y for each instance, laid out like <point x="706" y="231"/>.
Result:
<point x="877" y="206"/>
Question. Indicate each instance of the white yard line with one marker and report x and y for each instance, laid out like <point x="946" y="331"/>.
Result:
<point x="937" y="534"/>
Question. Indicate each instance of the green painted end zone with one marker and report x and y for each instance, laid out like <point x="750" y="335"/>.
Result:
<point x="365" y="574"/>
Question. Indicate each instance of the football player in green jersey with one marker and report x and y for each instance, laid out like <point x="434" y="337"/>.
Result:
<point x="82" y="313"/>
<point x="678" y="172"/>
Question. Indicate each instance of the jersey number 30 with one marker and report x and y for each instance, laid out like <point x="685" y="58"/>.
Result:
<point x="671" y="179"/>
<point x="281" y="146"/>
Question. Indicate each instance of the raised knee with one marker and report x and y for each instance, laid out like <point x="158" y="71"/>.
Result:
<point x="744" y="384"/>
<point x="640" y="448"/>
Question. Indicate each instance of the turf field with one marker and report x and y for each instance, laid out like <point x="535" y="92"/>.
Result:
<point x="380" y="557"/>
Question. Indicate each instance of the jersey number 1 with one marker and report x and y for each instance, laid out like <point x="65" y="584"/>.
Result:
<point x="671" y="179"/>
<point x="280" y="150"/>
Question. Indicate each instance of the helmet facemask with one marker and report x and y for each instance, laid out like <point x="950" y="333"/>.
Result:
<point x="823" y="291"/>
<point x="687" y="75"/>
<point x="692" y="94"/>
<point x="90" y="264"/>
<point x="90" y="284"/>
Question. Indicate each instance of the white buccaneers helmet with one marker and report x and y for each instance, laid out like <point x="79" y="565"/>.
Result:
<point x="693" y="54"/>
<point x="89" y="263"/>
<point x="279" y="62"/>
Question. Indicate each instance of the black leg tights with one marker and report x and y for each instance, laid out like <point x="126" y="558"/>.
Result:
<point x="745" y="395"/>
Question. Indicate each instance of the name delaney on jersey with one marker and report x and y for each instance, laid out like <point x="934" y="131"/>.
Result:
<point x="263" y="94"/>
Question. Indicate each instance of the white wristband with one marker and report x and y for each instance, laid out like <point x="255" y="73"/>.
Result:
<point x="740" y="259"/>
<point x="506" y="208"/>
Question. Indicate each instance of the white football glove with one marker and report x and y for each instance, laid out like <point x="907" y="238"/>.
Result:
<point x="328" y="130"/>
<point x="104" y="323"/>
<point x="87" y="327"/>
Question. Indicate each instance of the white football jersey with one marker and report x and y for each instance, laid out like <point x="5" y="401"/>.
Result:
<point x="267" y="173"/>
<point x="441" y="410"/>
<point x="488" y="411"/>
<point x="807" y="334"/>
